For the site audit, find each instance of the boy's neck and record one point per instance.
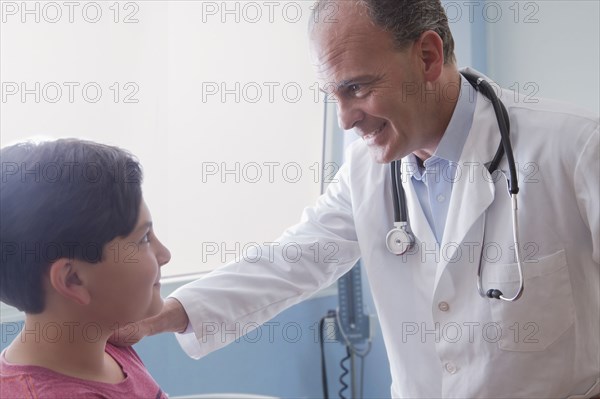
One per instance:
(72, 348)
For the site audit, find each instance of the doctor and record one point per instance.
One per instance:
(398, 87)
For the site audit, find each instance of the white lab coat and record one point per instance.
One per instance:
(442, 338)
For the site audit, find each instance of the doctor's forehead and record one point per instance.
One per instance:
(329, 29)
(341, 43)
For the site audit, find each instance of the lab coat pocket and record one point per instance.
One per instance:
(544, 312)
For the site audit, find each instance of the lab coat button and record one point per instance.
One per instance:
(451, 368)
(441, 198)
(443, 306)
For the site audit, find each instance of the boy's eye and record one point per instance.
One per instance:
(145, 239)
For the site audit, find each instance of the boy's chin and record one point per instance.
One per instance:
(156, 307)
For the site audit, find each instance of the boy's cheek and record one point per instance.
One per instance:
(124, 252)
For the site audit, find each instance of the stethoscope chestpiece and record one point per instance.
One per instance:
(399, 240)
(493, 293)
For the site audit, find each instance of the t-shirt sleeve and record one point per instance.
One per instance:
(25, 382)
(16, 386)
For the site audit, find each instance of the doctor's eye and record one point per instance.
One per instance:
(355, 88)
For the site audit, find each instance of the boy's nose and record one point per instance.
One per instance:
(163, 255)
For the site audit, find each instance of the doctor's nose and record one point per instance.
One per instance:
(348, 115)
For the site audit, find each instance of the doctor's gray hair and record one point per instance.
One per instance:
(406, 20)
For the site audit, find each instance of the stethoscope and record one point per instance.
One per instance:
(400, 239)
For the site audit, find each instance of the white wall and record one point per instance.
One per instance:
(171, 53)
(174, 51)
(551, 45)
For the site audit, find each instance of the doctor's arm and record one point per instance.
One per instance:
(307, 257)
(242, 295)
(172, 318)
(587, 188)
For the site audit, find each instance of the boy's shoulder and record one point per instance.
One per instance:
(21, 381)
(25, 381)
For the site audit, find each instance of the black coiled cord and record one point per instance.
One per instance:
(323, 366)
(345, 372)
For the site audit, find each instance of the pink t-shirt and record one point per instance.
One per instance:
(21, 382)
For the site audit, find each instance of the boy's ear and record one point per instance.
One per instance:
(65, 280)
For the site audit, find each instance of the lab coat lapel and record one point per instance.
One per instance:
(416, 217)
(473, 190)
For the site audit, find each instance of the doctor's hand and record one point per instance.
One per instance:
(172, 318)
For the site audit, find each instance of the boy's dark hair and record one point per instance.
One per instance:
(60, 199)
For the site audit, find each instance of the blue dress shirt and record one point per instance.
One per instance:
(433, 178)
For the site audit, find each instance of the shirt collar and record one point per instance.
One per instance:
(453, 140)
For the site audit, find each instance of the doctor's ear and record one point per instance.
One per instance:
(64, 278)
(430, 48)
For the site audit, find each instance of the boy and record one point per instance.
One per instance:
(80, 258)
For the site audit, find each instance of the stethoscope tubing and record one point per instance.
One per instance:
(505, 147)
